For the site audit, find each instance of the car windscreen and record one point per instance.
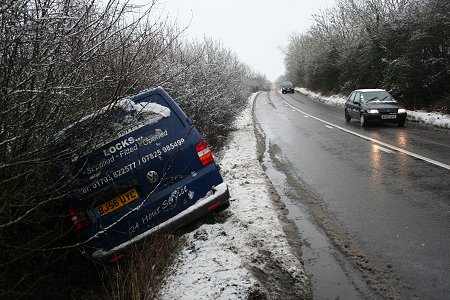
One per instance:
(287, 84)
(379, 96)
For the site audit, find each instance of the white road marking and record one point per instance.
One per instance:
(305, 116)
(383, 149)
(429, 160)
(328, 126)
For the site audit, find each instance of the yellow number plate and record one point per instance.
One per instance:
(116, 203)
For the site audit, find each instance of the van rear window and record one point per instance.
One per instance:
(118, 119)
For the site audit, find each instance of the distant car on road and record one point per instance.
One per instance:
(287, 87)
(374, 105)
(144, 168)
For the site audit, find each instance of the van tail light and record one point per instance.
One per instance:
(78, 218)
(204, 154)
(214, 206)
(117, 257)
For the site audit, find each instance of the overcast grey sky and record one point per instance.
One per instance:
(254, 30)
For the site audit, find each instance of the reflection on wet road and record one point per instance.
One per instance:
(384, 189)
(376, 138)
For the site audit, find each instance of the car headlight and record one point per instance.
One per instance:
(401, 111)
(372, 111)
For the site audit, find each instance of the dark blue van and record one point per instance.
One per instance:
(142, 168)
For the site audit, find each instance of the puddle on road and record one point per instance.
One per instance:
(332, 277)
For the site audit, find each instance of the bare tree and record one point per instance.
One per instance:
(258, 82)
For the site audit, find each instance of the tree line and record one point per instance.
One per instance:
(59, 61)
(400, 45)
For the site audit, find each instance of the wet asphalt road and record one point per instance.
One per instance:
(388, 187)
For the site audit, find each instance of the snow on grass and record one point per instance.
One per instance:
(428, 118)
(219, 261)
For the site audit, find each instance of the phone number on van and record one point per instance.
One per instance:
(128, 168)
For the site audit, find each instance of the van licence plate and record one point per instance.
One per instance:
(388, 116)
(116, 203)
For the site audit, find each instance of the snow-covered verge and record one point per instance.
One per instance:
(246, 256)
(433, 118)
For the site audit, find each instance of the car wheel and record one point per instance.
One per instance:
(401, 124)
(363, 121)
(347, 116)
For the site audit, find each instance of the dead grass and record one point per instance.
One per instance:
(141, 275)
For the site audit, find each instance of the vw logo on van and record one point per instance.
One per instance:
(152, 176)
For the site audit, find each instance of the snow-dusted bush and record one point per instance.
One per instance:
(212, 87)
